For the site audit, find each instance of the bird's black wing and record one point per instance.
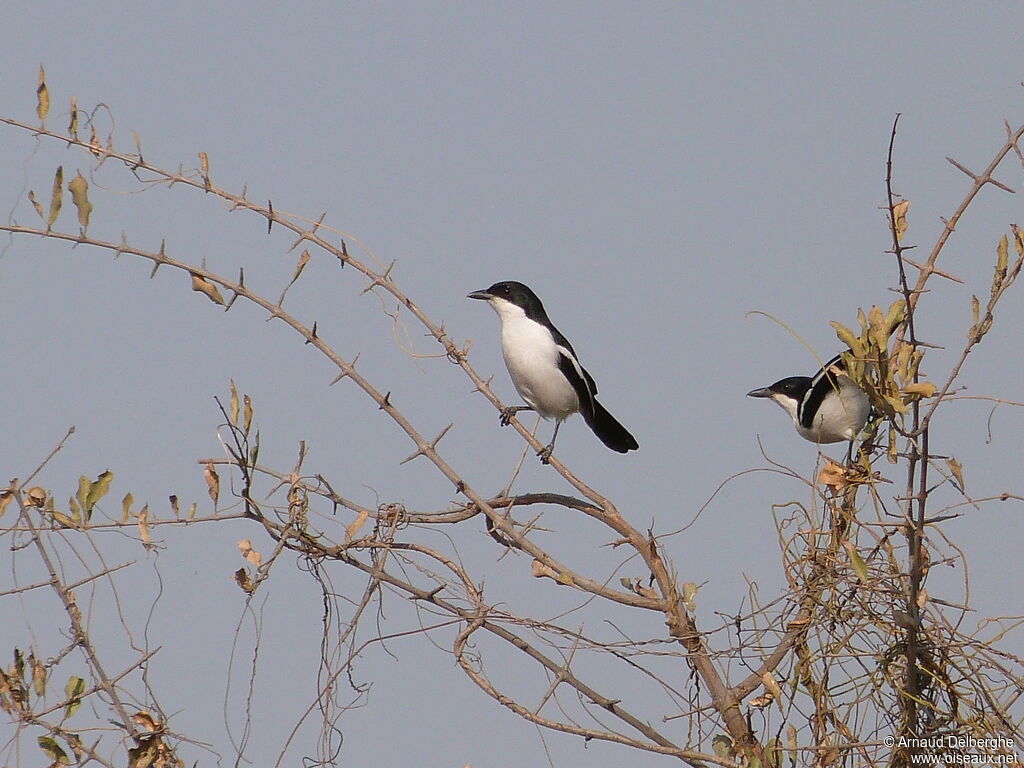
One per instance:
(579, 378)
(824, 381)
(608, 430)
(566, 351)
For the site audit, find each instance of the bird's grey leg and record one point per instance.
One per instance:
(512, 410)
(545, 452)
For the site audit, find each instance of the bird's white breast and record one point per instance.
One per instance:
(531, 356)
(841, 416)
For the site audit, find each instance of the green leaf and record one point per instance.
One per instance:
(722, 747)
(83, 491)
(97, 490)
(73, 691)
(54, 751)
(689, 594)
(859, 566)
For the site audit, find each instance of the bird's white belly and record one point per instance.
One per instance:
(532, 360)
(843, 420)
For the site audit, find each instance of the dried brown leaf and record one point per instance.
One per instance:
(833, 475)
(147, 541)
(250, 554)
(242, 580)
(204, 286)
(73, 123)
(36, 205)
(353, 528)
(212, 481)
(958, 471)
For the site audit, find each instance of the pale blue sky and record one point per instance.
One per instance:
(654, 171)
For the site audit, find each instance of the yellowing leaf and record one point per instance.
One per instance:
(896, 315)
(56, 198)
(204, 286)
(247, 413)
(64, 520)
(126, 507)
(42, 95)
(921, 388)
(899, 215)
(5, 499)
(1002, 259)
(79, 189)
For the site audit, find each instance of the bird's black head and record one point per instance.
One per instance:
(793, 388)
(514, 293)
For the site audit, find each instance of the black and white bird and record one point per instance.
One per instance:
(544, 367)
(827, 408)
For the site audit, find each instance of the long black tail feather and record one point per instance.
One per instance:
(610, 432)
